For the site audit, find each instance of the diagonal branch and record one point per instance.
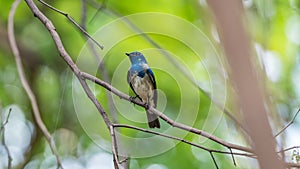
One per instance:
(181, 140)
(73, 22)
(2, 129)
(214, 160)
(287, 149)
(36, 112)
(291, 122)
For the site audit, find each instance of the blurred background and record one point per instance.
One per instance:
(181, 43)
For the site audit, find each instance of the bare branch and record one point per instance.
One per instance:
(83, 14)
(287, 149)
(6, 120)
(73, 22)
(233, 159)
(2, 129)
(200, 132)
(25, 84)
(99, 7)
(114, 146)
(181, 140)
(292, 165)
(291, 122)
(214, 160)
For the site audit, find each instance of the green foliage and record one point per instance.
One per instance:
(296, 156)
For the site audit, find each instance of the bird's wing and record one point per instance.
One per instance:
(152, 78)
(128, 77)
(129, 82)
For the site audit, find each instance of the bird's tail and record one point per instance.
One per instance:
(152, 120)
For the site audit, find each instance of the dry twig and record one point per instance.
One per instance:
(2, 129)
(291, 122)
(36, 112)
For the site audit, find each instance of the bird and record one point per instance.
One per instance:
(141, 79)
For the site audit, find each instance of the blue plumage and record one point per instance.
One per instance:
(142, 81)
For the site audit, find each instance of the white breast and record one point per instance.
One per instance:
(142, 89)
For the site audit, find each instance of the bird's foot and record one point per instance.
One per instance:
(131, 98)
(146, 106)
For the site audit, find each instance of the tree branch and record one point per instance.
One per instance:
(2, 129)
(73, 22)
(292, 165)
(291, 122)
(287, 149)
(36, 112)
(214, 160)
(181, 140)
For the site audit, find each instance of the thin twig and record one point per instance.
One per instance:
(6, 120)
(184, 141)
(287, 149)
(292, 165)
(83, 14)
(114, 146)
(291, 122)
(233, 159)
(214, 160)
(99, 7)
(200, 132)
(181, 140)
(9, 158)
(36, 112)
(73, 22)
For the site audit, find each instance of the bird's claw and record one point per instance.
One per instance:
(131, 98)
(146, 106)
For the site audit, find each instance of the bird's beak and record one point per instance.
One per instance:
(127, 54)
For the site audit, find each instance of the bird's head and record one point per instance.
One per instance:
(136, 57)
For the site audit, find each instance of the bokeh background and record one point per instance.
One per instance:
(77, 128)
